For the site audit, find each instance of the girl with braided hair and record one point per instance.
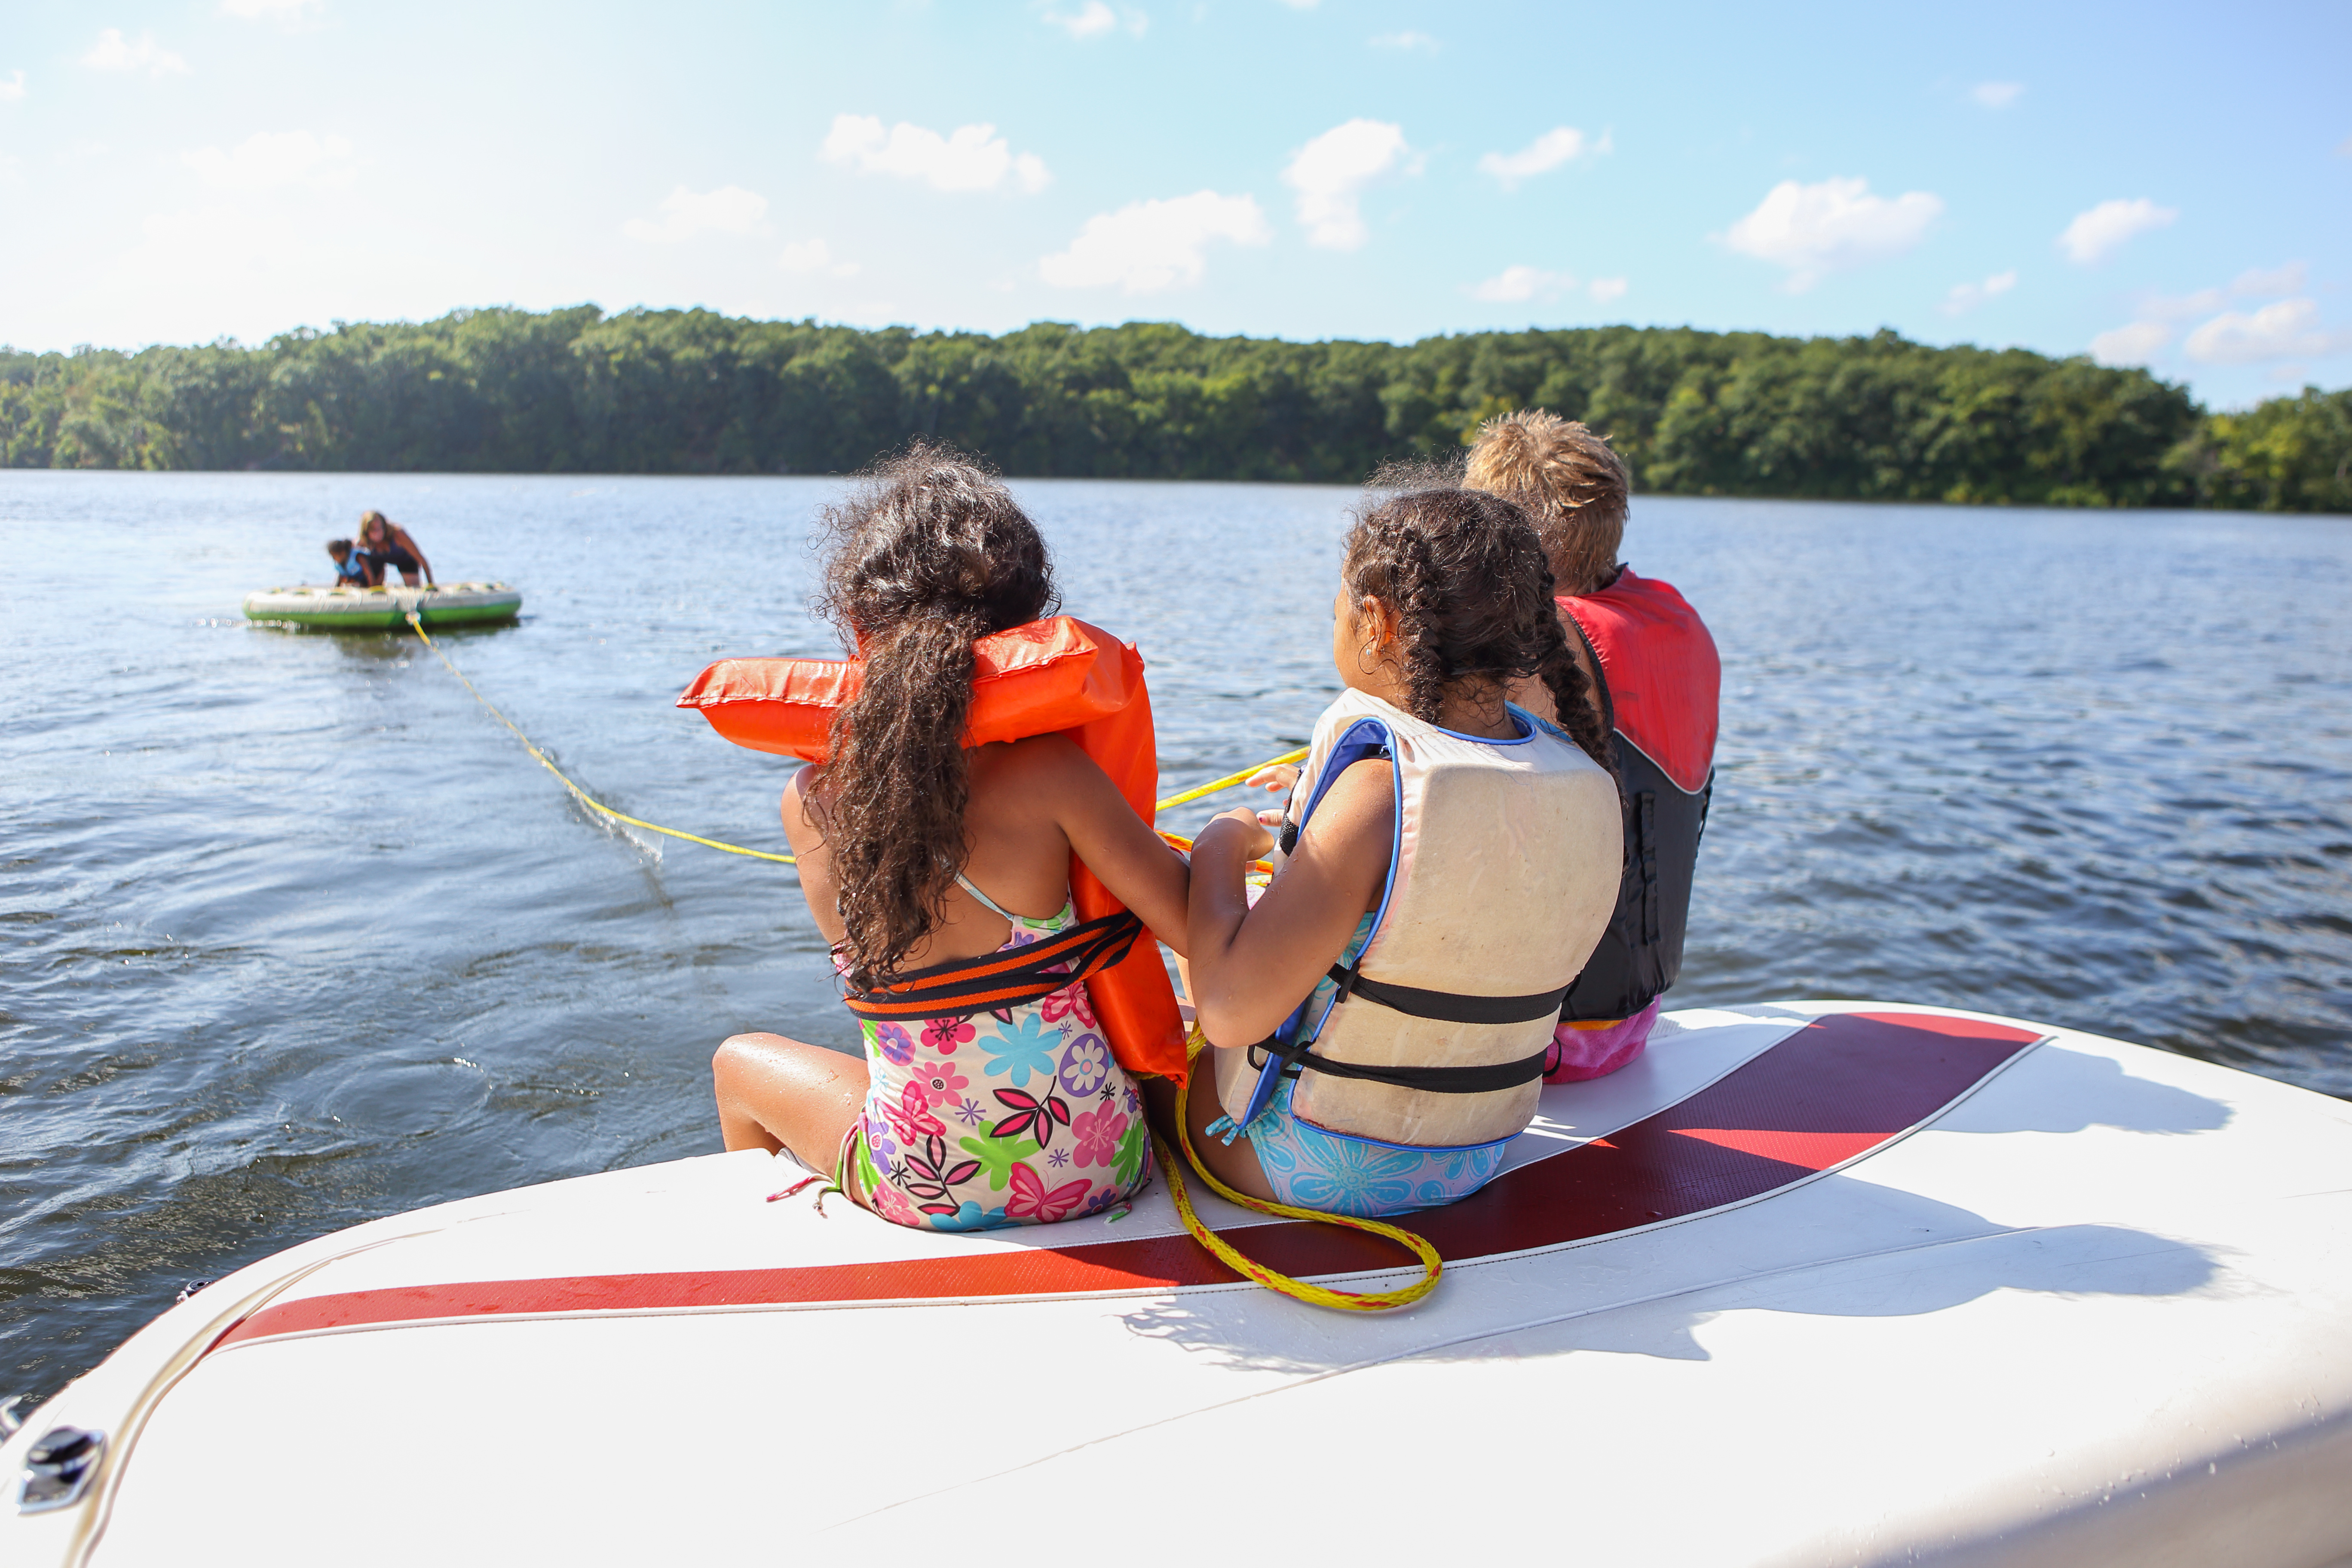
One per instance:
(1446, 863)
(919, 852)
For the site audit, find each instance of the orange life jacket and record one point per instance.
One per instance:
(1052, 676)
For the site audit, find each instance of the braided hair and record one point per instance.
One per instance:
(928, 555)
(1465, 574)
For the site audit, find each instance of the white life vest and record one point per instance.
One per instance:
(1503, 876)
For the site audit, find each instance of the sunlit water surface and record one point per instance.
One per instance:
(296, 935)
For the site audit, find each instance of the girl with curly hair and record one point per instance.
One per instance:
(917, 851)
(1448, 860)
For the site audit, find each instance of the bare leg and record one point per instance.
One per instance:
(1234, 1163)
(775, 1093)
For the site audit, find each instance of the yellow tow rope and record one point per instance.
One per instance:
(1214, 786)
(581, 796)
(1433, 1266)
(593, 804)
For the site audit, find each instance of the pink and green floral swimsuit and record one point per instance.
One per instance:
(1019, 1117)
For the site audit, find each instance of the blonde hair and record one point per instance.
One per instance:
(1567, 480)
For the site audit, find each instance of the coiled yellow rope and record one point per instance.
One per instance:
(1314, 1295)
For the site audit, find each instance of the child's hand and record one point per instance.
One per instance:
(1256, 839)
(1282, 776)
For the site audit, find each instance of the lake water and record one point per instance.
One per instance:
(296, 935)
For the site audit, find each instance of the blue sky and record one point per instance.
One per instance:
(2152, 183)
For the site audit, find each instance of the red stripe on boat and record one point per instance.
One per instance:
(1839, 1087)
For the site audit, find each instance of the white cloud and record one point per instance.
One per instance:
(2344, 148)
(1146, 247)
(1515, 284)
(2254, 283)
(2179, 307)
(113, 52)
(968, 158)
(1405, 42)
(1969, 296)
(2095, 232)
(2269, 282)
(1814, 230)
(1330, 173)
(283, 11)
(730, 209)
(1997, 94)
(2287, 330)
(807, 257)
(13, 89)
(2134, 344)
(265, 161)
(1091, 20)
(1546, 152)
(1604, 290)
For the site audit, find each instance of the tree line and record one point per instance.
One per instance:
(693, 392)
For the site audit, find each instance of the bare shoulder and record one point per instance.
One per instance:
(799, 812)
(1361, 801)
(1039, 762)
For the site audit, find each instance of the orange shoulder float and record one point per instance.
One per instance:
(1050, 677)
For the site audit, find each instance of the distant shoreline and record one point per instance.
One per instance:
(1748, 414)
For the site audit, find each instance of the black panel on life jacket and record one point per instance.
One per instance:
(1640, 954)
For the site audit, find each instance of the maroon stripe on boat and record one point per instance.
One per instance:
(1837, 1088)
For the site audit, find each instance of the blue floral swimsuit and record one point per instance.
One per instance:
(1310, 1167)
(1018, 1116)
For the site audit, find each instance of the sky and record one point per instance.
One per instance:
(2151, 183)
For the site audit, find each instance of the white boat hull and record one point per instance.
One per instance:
(1811, 1283)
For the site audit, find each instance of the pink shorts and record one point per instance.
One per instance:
(1580, 1051)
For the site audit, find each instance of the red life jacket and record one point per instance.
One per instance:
(1661, 684)
(1057, 676)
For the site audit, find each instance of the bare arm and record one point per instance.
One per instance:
(819, 884)
(1134, 862)
(409, 543)
(1251, 966)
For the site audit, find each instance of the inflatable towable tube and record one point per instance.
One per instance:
(1058, 675)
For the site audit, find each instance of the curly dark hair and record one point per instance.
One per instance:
(1464, 573)
(930, 553)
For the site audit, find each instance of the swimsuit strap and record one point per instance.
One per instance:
(970, 887)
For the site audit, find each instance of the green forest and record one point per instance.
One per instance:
(691, 392)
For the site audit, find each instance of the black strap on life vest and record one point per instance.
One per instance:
(1487, 1079)
(1447, 1007)
(999, 981)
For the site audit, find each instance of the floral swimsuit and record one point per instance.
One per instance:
(1017, 1117)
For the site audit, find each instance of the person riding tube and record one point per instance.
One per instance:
(351, 565)
(388, 547)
